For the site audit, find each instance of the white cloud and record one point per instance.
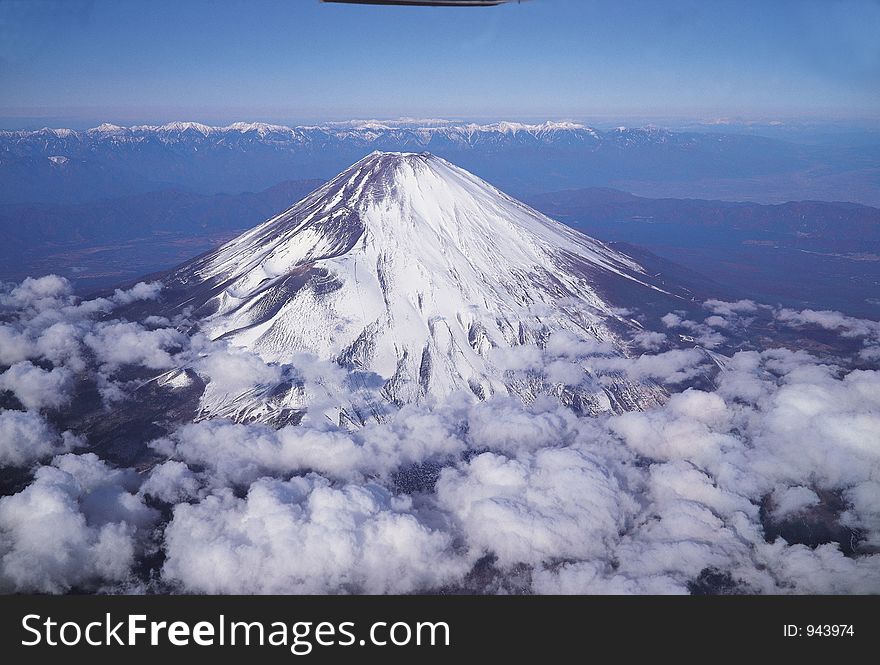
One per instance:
(26, 437)
(692, 425)
(14, 346)
(75, 526)
(845, 326)
(306, 536)
(792, 500)
(503, 425)
(240, 454)
(556, 503)
(119, 343)
(60, 344)
(830, 320)
(649, 340)
(639, 502)
(37, 388)
(716, 322)
(671, 367)
(517, 358)
(592, 578)
(567, 345)
(140, 291)
(233, 372)
(702, 333)
(823, 570)
(37, 293)
(864, 514)
(725, 308)
(171, 482)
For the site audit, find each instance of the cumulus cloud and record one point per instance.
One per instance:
(45, 323)
(36, 293)
(504, 425)
(830, 320)
(556, 503)
(671, 367)
(864, 511)
(597, 578)
(702, 333)
(726, 308)
(822, 427)
(785, 439)
(567, 345)
(716, 322)
(234, 371)
(26, 437)
(239, 454)
(140, 291)
(765, 479)
(126, 343)
(649, 340)
(307, 536)
(37, 388)
(14, 346)
(568, 360)
(639, 502)
(171, 482)
(59, 343)
(518, 358)
(692, 425)
(792, 500)
(671, 320)
(845, 326)
(773, 433)
(76, 526)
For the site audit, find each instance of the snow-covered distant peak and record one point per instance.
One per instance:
(561, 126)
(174, 127)
(260, 128)
(373, 124)
(184, 126)
(61, 132)
(514, 127)
(107, 128)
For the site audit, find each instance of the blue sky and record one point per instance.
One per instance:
(300, 60)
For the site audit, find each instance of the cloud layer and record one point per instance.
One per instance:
(758, 472)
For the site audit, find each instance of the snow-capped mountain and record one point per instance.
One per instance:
(424, 278)
(366, 133)
(109, 160)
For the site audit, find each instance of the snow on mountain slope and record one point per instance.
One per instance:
(192, 135)
(425, 278)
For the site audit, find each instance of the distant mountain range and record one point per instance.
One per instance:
(800, 253)
(191, 135)
(829, 221)
(62, 165)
